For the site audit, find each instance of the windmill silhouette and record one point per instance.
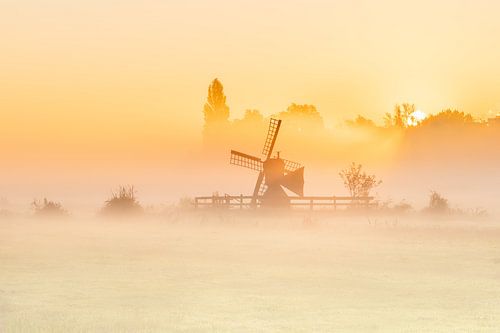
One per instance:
(274, 173)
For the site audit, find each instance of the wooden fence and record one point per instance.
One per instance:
(306, 202)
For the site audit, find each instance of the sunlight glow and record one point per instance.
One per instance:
(416, 117)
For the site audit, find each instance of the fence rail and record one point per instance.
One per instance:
(306, 202)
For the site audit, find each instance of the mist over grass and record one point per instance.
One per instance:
(124, 204)
(242, 272)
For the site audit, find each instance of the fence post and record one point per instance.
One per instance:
(335, 203)
(311, 204)
(241, 201)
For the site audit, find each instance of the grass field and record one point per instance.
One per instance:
(249, 275)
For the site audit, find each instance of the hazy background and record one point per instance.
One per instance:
(99, 93)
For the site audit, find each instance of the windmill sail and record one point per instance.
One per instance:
(272, 133)
(247, 161)
(291, 166)
(294, 181)
(263, 187)
(258, 187)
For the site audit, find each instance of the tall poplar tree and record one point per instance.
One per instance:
(215, 109)
(216, 114)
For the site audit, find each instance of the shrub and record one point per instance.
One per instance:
(47, 208)
(437, 204)
(478, 212)
(403, 207)
(123, 202)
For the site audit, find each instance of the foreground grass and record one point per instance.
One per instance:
(198, 276)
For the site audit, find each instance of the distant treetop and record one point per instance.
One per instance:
(448, 117)
(302, 117)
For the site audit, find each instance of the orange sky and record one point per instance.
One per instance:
(90, 77)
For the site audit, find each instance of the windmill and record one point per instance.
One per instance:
(274, 172)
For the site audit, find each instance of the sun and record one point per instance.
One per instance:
(416, 117)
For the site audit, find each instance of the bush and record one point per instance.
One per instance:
(123, 202)
(402, 207)
(47, 208)
(478, 212)
(437, 204)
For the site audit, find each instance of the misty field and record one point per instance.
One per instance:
(232, 274)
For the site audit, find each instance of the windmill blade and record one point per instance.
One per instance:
(294, 181)
(291, 166)
(258, 186)
(246, 161)
(272, 133)
(263, 187)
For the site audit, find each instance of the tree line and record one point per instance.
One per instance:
(449, 130)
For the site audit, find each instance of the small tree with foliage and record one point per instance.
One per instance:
(357, 181)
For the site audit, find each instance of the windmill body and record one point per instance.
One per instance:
(274, 195)
(274, 173)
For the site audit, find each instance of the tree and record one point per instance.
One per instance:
(215, 109)
(216, 114)
(358, 182)
(448, 117)
(253, 116)
(361, 121)
(402, 116)
(302, 117)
